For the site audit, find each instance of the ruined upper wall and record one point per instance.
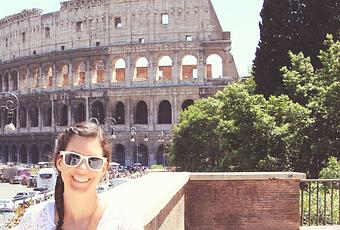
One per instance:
(90, 23)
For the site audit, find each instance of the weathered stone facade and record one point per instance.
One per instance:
(140, 62)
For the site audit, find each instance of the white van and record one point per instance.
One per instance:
(47, 178)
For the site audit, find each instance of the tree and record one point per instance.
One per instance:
(295, 25)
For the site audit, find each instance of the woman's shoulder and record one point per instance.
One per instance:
(39, 216)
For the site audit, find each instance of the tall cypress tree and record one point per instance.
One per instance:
(296, 25)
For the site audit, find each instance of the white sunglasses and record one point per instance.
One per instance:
(73, 159)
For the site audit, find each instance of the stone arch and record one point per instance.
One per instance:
(62, 115)
(34, 154)
(164, 112)
(65, 75)
(23, 117)
(47, 114)
(98, 111)
(23, 154)
(100, 72)
(79, 112)
(120, 113)
(187, 103)
(119, 70)
(119, 154)
(164, 68)
(188, 68)
(213, 67)
(13, 154)
(5, 155)
(14, 80)
(160, 158)
(47, 153)
(34, 116)
(141, 115)
(81, 73)
(141, 70)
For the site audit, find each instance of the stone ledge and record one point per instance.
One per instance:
(247, 176)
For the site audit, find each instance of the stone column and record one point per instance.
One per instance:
(201, 62)
(176, 70)
(87, 108)
(41, 77)
(70, 79)
(55, 77)
(69, 117)
(88, 77)
(53, 124)
(28, 77)
(129, 68)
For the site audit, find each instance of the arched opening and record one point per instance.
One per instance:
(34, 154)
(49, 78)
(14, 80)
(100, 67)
(47, 154)
(98, 111)
(14, 154)
(79, 112)
(5, 155)
(47, 115)
(23, 154)
(119, 71)
(64, 74)
(22, 117)
(189, 68)
(36, 78)
(141, 70)
(120, 113)
(213, 67)
(141, 115)
(187, 103)
(34, 113)
(164, 70)
(160, 155)
(81, 74)
(164, 112)
(62, 115)
(6, 82)
(119, 154)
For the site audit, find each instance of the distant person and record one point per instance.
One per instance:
(81, 158)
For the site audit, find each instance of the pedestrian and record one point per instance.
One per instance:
(81, 159)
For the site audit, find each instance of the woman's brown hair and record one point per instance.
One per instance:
(83, 129)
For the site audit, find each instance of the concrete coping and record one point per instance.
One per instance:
(141, 200)
(247, 176)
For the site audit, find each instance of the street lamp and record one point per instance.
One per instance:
(10, 104)
(133, 138)
(162, 139)
(109, 121)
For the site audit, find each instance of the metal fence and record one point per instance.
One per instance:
(319, 202)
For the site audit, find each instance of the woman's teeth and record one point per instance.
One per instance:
(81, 179)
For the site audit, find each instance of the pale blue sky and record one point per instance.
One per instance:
(240, 17)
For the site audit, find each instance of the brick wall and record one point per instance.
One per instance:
(237, 205)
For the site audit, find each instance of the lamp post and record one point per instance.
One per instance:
(109, 121)
(10, 104)
(133, 130)
(162, 138)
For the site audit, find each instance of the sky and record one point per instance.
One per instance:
(240, 17)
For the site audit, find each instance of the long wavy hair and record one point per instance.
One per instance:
(83, 129)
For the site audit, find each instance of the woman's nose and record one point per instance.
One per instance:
(83, 164)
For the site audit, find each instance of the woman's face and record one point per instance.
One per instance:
(81, 178)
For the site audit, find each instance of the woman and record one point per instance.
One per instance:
(81, 158)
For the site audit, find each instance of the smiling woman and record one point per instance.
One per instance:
(82, 157)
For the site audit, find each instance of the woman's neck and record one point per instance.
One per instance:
(79, 209)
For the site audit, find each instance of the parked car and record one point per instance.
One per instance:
(7, 205)
(15, 180)
(21, 196)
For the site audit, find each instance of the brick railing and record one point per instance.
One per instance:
(205, 201)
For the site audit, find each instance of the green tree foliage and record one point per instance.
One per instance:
(295, 25)
(239, 130)
(332, 169)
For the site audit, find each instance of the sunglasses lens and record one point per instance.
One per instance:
(96, 163)
(72, 159)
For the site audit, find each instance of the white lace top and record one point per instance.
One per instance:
(41, 216)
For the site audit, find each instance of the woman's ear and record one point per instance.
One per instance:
(58, 162)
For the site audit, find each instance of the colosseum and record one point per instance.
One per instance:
(129, 65)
